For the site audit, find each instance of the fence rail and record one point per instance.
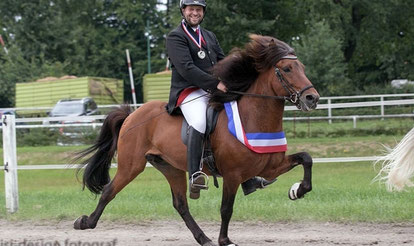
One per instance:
(10, 124)
(354, 118)
(381, 102)
(115, 165)
(329, 105)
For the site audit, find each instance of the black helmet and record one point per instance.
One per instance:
(184, 3)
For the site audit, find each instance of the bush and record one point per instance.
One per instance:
(50, 136)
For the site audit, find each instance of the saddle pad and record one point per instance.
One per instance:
(258, 142)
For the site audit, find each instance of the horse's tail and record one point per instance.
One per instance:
(398, 164)
(96, 173)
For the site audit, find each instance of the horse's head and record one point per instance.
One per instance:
(272, 65)
(287, 78)
(290, 74)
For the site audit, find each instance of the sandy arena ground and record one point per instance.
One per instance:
(162, 233)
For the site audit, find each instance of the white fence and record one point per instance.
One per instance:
(10, 163)
(10, 166)
(381, 100)
(9, 134)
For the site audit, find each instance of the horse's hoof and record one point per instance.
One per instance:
(80, 223)
(293, 192)
(227, 243)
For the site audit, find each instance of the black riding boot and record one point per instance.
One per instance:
(251, 185)
(194, 153)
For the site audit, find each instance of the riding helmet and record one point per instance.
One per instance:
(184, 3)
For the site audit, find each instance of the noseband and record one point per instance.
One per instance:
(293, 94)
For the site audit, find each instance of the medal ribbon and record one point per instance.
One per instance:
(198, 31)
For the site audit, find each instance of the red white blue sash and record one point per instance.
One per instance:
(257, 142)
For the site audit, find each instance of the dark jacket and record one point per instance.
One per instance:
(188, 70)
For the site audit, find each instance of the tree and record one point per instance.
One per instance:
(233, 20)
(376, 38)
(85, 38)
(320, 51)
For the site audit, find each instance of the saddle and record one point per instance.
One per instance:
(207, 157)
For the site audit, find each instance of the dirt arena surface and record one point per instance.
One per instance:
(162, 233)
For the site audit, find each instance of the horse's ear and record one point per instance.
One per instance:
(272, 43)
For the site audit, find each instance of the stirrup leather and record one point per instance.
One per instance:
(197, 185)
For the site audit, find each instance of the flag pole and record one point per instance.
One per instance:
(131, 78)
(4, 46)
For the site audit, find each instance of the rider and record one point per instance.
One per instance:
(193, 51)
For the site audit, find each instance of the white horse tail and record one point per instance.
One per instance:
(398, 164)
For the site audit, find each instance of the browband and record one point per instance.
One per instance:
(292, 57)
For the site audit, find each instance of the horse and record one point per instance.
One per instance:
(261, 77)
(398, 164)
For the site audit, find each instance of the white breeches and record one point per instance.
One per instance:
(194, 108)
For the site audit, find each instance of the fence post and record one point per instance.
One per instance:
(330, 110)
(354, 119)
(382, 108)
(10, 163)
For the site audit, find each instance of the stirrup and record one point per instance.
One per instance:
(266, 182)
(202, 183)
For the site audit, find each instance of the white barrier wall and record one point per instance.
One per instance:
(10, 163)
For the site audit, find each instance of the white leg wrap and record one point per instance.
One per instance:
(293, 192)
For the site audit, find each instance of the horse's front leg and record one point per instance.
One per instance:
(298, 190)
(229, 194)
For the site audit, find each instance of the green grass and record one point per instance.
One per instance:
(341, 191)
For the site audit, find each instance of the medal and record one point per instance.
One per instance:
(201, 54)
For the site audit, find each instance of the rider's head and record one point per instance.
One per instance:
(193, 11)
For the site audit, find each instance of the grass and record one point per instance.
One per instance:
(341, 192)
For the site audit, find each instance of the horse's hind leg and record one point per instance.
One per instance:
(298, 190)
(123, 176)
(178, 183)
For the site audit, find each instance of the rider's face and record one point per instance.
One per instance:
(193, 14)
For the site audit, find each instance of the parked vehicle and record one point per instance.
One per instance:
(72, 109)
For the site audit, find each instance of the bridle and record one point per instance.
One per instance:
(293, 94)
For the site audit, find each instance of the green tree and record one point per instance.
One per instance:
(84, 38)
(321, 53)
(233, 20)
(376, 38)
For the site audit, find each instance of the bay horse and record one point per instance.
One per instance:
(398, 164)
(261, 77)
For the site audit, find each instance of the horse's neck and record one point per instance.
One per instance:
(260, 114)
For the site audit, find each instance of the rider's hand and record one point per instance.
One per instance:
(222, 87)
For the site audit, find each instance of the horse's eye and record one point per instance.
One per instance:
(286, 69)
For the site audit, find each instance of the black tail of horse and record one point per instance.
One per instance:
(96, 173)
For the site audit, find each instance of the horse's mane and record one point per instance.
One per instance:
(241, 67)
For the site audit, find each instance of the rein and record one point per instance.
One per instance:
(293, 94)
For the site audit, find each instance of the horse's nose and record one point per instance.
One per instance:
(312, 99)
